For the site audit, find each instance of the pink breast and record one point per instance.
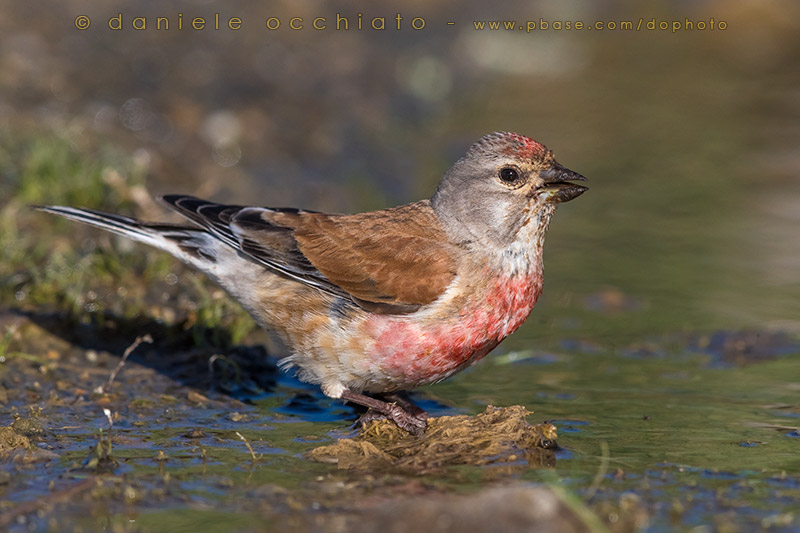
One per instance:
(416, 352)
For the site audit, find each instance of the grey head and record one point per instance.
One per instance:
(504, 182)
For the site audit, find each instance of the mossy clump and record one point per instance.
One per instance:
(498, 436)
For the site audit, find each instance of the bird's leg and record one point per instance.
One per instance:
(399, 398)
(413, 423)
(402, 399)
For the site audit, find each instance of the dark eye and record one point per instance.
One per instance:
(509, 175)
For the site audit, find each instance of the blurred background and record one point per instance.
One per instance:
(689, 138)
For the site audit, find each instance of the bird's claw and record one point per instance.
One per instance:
(413, 423)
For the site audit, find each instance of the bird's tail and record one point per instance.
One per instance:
(189, 244)
(125, 226)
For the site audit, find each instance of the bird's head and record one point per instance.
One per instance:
(505, 182)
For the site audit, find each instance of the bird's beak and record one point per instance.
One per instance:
(557, 187)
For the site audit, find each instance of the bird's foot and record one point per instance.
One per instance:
(402, 399)
(368, 416)
(414, 422)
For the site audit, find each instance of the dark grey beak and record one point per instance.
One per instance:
(557, 187)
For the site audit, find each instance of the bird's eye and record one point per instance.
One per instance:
(509, 176)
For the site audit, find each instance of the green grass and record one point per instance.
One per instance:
(82, 273)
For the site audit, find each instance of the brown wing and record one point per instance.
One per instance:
(397, 256)
(390, 261)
